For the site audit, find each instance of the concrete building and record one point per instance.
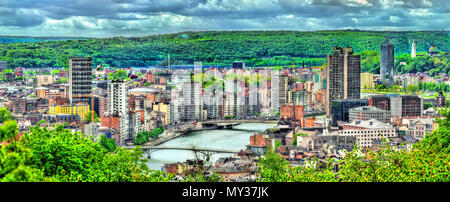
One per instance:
(291, 112)
(333, 142)
(238, 65)
(3, 65)
(186, 99)
(418, 128)
(406, 105)
(441, 100)
(343, 76)
(380, 101)
(398, 105)
(387, 63)
(369, 112)
(368, 131)
(80, 110)
(340, 108)
(279, 90)
(413, 49)
(164, 109)
(410, 80)
(44, 80)
(297, 97)
(367, 80)
(80, 80)
(118, 107)
(10, 76)
(231, 102)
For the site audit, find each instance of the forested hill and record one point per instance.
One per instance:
(22, 39)
(256, 48)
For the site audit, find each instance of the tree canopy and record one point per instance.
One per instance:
(46, 154)
(255, 48)
(428, 161)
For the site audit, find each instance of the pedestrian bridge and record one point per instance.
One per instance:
(207, 151)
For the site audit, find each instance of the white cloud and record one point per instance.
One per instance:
(420, 12)
(394, 19)
(146, 17)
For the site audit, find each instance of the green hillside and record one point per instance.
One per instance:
(256, 48)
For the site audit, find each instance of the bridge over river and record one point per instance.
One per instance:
(206, 151)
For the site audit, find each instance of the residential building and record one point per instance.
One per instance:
(291, 112)
(44, 80)
(406, 106)
(279, 90)
(367, 80)
(118, 107)
(3, 65)
(410, 80)
(332, 142)
(441, 99)
(80, 80)
(368, 131)
(80, 110)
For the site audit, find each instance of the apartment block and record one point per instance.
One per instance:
(80, 80)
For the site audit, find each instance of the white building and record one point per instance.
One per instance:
(367, 131)
(118, 106)
(279, 87)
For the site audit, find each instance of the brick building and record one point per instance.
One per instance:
(291, 112)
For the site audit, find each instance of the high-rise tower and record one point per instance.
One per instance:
(387, 63)
(413, 49)
(80, 80)
(118, 107)
(343, 76)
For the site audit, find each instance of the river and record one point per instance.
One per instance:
(213, 139)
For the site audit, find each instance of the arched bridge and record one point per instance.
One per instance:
(206, 151)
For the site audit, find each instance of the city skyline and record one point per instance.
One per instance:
(146, 17)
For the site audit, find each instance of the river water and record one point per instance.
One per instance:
(228, 139)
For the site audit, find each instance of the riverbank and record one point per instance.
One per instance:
(212, 139)
(188, 129)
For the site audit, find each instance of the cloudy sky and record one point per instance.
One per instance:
(108, 18)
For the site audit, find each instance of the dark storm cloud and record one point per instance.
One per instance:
(13, 17)
(161, 16)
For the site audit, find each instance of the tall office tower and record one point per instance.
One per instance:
(279, 90)
(80, 80)
(118, 107)
(343, 76)
(413, 49)
(387, 63)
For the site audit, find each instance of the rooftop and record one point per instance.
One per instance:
(371, 124)
(143, 90)
(368, 108)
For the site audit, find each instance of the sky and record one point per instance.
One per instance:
(110, 18)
